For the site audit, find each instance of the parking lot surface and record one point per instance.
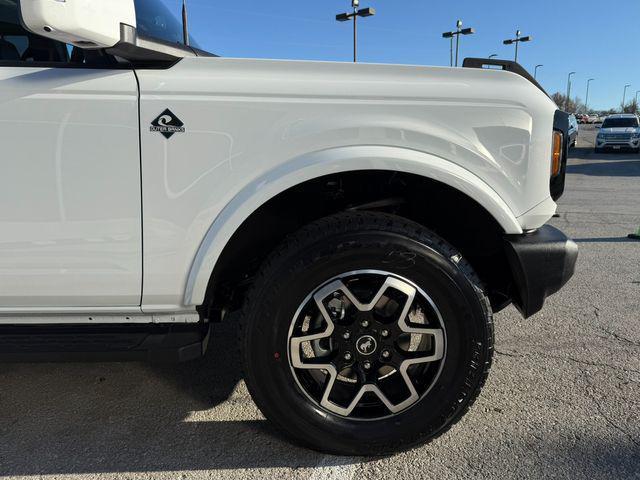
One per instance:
(562, 399)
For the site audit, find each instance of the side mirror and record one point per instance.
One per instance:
(83, 23)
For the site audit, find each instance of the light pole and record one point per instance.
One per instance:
(517, 40)
(458, 31)
(450, 36)
(535, 71)
(493, 55)
(586, 101)
(566, 102)
(624, 96)
(637, 92)
(345, 17)
(185, 23)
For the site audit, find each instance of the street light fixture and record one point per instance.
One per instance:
(456, 33)
(586, 101)
(535, 72)
(624, 95)
(345, 17)
(517, 40)
(493, 55)
(566, 102)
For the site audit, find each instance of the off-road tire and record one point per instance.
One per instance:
(357, 241)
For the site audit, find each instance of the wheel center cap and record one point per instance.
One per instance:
(366, 345)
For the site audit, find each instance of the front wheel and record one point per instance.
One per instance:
(365, 334)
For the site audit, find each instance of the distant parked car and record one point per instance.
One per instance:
(573, 131)
(619, 132)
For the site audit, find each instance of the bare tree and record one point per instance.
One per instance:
(631, 107)
(574, 105)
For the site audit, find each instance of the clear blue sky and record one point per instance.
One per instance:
(593, 38)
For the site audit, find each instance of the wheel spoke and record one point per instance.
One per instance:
(437, 336)
(390, 282)
(296, 358)
(436, 355)
(369, 387)
(296, 342)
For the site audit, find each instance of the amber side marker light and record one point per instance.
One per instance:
(556, 159)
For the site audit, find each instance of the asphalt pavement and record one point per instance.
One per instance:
(562, 399)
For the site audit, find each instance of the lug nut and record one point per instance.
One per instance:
(364, 323)
(348, 356)
(346, 335)
(385, 333)
(367, 365)
(386, 354)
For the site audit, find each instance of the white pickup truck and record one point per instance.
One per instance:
(360, 222)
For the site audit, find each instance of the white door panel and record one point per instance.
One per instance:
(70, 206)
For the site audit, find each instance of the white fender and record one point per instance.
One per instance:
(325, 162)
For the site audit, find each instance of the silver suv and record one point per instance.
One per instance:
(619, 132)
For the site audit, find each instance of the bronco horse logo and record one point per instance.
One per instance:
(366, 345)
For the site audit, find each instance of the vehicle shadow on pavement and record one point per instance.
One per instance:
(583, 457)
(612, 168)
(126, 417)
(605, 240)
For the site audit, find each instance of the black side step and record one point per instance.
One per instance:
(508, 65)
(171, 343)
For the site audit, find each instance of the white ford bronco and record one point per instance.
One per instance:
(360, 222)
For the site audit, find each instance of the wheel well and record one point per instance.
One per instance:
(460, 220)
